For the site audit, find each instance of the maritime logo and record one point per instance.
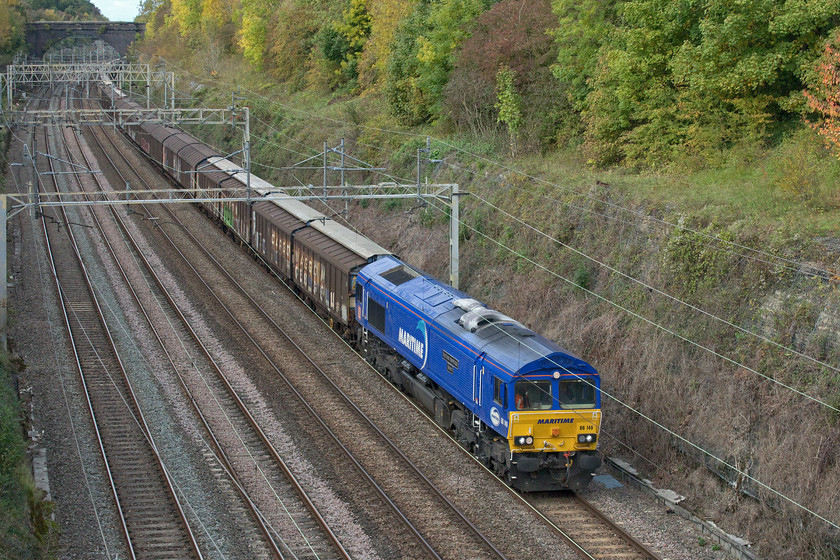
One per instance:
(495, 417)
(417, 346)
(556, 421)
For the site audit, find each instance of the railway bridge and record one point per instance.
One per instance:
(41, 35)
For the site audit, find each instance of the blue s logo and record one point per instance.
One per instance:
(421, 326)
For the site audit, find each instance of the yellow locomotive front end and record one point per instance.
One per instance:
(562, 431)
(553, 434)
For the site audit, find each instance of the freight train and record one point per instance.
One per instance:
(526, 407)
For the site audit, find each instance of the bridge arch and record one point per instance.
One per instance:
(41, 35)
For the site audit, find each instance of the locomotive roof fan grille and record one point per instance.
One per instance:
(399, 275)
(481, 317)
(467, 304)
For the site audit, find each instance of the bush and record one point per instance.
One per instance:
(513, 34)
(805, 169)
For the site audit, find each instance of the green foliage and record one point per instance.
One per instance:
(693, 256)
(355, 28)
(633, 101)
(12, 18)
(25, 529)
(582, 277)
(402, 90)
(333, 44)
(341, 43)
(423, 56)
(508, 104)
(803, 168)
(583, 27)
(699, 77)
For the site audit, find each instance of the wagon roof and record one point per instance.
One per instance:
(161, 132)
(354, 241)
(196, 153)
(330, 250)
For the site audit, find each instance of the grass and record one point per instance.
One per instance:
(16, 535)
(26, 531)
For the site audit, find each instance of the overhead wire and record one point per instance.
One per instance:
(629, 407)
(665, 329)
(790, 263)
(652, 289)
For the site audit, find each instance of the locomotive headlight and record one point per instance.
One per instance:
(586, 438)
(524, 440)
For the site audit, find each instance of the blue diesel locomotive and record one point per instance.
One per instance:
(523, 405)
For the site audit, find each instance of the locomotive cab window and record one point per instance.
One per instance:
(499, 393)
(533, 395)
(577, 394)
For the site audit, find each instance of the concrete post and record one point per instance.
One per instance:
(4, 299)
(247, 147)
(325, 172)
(9, 84)
(454, 241)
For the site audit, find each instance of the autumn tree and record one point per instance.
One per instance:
(424, 53)
(355, 28)
(385, 17)
(823, 96)
(291, 41)
(512, 34)
(218, 21)
(65, 9)
(186, 14)
(253, 34)
(11, 29)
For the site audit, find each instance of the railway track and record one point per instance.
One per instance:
(151, 516)
(587, 530)
(450, 529)
(589, 540)
(286, 517)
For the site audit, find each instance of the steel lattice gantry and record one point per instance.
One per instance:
(115, 71)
